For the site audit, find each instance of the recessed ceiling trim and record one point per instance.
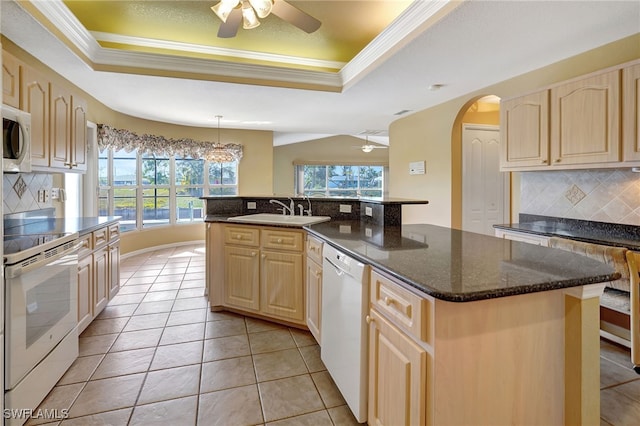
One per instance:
(211, 50)
(143, 60)
(411, 23)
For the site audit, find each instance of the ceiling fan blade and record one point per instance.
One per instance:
(295, 16)
(229, 29)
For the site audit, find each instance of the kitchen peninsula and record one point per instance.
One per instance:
(463, 328)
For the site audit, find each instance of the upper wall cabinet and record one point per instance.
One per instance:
(35, 100)
(585, 120)
(631, 112)
(589, 122)
(10, 80)
(525, 130)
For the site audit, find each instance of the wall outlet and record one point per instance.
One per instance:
(368, 211)
(251, 205)
(345, 208)
(55, 193)
(368, 232)
(42, 196)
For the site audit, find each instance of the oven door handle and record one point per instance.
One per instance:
(14, 271)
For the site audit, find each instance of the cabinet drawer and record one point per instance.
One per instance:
(100, 237)
(314, 249)
(85, 245)
(408, 311)
(242, 235)
(114, 232)
(282, 240)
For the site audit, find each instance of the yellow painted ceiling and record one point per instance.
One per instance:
(347, 26)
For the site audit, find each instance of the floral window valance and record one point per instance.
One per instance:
(120, 139)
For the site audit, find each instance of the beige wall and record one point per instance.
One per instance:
(427, 135)
(331, 150)
(138, 240)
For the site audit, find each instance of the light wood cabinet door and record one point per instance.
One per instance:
(314, 297)
(60, 125)
(34, 94)
(397, 376)
(524, 131)
(100, 280)
(242, 277)
(10, 80)
(85, 298)
(282, 285)
(114, 268)
(631, 112)
(585, 120)
(78, 142)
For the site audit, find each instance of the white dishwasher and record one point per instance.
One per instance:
(344, 338)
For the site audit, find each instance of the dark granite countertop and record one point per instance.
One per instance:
(373, 200)
(612, 234)
(460, 266)
(81, 225)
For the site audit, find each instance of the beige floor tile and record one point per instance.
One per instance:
(236, 406)
(171, 383)
(146, 272)
(121, 363)
(60, 398)
(144, 322)
(187, 293)
(342, 416)
(172, 269)
(118, 311)
(318, 418)
(126, 299)
(269, 341)
(107, 394)
(182, 333)
(223, 328)
(226, 347)
(173, 278)
(311, 355)
(279, 364)
(105, 326)
(256, 325)
(222, 315)
(81, 369)
(605, 423)
(616, 353)
(227, 373)
(302, 337)
(174, 412)
(328, 390)
(140, 339)
(191, 316)
(289, 397)
(177, 355)
(193, 269)
(134, 289)
(189, 283)
(140, 280)
(159, 296)
(631, 389)
(618, 409)
(154, 308)
(93, 345)
(612, 373)
(115, 418)
(190, 303)
(165, 286)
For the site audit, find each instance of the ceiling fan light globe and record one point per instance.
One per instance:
(262, 7)
(249, 18)
(224, 8)
(367, 148)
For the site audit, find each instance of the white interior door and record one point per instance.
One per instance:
(485, 190)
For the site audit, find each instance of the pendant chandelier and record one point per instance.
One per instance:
(219, 153)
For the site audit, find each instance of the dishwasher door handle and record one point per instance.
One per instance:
(339, 270)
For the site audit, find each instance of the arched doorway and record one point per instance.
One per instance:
(480, 192)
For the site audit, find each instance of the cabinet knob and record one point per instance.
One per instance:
(388, 300)
(238, 237)
(317, 273)
(279, 240)
(253, 253)
(544, 161)
(368, 319)
(557, 160)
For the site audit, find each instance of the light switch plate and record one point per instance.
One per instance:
(251, 205)
(368, 211)
(345, 208)
(417, 168)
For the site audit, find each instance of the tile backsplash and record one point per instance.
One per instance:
(20, 191)
(603, 195)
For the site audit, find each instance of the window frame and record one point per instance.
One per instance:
(299, 167)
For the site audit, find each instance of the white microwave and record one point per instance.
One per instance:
(16, 140)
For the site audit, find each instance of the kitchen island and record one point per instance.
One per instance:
(470, 329)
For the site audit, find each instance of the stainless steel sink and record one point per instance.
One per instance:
(279, 219)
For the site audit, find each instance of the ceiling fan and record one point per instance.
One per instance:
(233, 12)
(367, 147)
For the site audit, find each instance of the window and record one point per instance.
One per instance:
(340, 180)
(152, 190)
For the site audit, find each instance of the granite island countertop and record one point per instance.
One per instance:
(460, 266)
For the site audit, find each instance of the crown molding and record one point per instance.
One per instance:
(212, 50)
